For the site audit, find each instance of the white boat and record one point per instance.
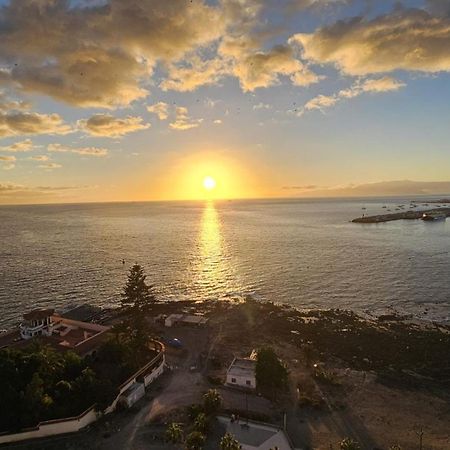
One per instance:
(431, 217)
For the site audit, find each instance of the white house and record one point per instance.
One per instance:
(37, 323)
(242, 373)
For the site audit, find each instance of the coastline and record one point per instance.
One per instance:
(404, 215)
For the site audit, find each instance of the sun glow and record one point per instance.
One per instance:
(209, 183)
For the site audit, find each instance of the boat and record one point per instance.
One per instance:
(434, 216)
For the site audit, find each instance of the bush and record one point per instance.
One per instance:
(195, 441)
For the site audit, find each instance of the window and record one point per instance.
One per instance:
(233, 380)
(248, 382)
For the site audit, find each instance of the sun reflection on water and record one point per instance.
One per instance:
(212, 264)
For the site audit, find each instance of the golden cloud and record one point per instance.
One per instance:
(106, 125)
(407, 39)
(18, 123)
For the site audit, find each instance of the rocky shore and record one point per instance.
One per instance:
(403, 215)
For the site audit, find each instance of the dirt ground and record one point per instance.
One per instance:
(358, 406)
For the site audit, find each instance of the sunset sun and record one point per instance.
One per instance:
(209, 183)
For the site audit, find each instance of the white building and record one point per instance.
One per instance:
(134, 393)
(185, 319)
(37, 323)
(256, 435)
(242, 373)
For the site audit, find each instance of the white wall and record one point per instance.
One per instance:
(74, 424)
(241, 381)
(154, 374)
(53, 427)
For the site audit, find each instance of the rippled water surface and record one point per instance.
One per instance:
(306, 253)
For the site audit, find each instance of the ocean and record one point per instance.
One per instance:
(301, 252)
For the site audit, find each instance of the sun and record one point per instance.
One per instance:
(209, 183)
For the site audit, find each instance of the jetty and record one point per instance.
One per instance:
(403, 215)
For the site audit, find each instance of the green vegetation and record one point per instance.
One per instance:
(228, 442)
(137, 293)
(40, 384)
(201, 423)
(174, 433)
(271, 374)
(349, 444)
(212, 402)
(195, 441)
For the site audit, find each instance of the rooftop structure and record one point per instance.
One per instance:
(59, 332)
(257, 436)
(185, 319)
(242, 373)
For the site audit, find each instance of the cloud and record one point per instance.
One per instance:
(261, 106)
(105, 125)
(308, 187)
(8, 162)
(300, 5)
(371, 85)
(8, 105)
(112, 49)
(7, 158)
(263, 69)
(22, 146)
(320, 102)
(406, 39)
(161, 109)
(50, 166)
(18, 123)
(86, 151)
(39, 158)
(182, 120)
(12, 193)
(194, 73)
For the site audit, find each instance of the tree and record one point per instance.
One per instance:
(212, 401)
(228, 442)
(349, 444)
(395, 447)
(195, 441)
(137, 293)
(271, 374)
(201, 423)
(174, 433)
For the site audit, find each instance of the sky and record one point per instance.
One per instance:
(135, 100)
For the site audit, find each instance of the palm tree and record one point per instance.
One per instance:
(195, 441)
(201, 423)
(228, 442)
(212, 401)
(349, 444)
(174, 433)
